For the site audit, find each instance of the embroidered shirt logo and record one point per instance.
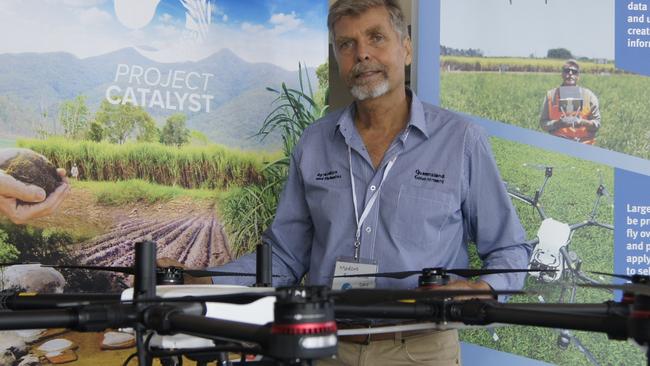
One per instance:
(429, 176)
(332, 174)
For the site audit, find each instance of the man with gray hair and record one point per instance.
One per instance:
(389, 184)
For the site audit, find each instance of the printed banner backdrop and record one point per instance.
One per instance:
(155, 108)
(499, 60)
(157, 104)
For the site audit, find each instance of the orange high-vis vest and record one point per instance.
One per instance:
(580, 134)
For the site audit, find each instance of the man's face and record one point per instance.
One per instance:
(370, 54)
(570, 75)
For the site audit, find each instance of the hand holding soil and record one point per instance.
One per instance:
(30, 186)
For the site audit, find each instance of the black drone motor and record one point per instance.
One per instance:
(169, 276)
(433, 277)
(628, 296)
(304, 326)
(639, 321)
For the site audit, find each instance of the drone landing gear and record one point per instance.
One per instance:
(493, 333)
(171, 361)
(565, 338)
(203, 359)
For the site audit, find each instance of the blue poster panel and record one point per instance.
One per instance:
(566, 104)
(633, 36)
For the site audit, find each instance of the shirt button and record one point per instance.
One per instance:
(372, 188)
(368, 229)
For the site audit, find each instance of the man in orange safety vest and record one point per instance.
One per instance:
(571, 111)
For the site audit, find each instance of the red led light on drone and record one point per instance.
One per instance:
(304, 328)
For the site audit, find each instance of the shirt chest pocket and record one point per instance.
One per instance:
(326, 200)
(421, 216)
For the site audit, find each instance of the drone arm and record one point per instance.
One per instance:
(390, 311)
(575, 267)
(36, 319)
(533, 242)
(521, 197)
(84, 319)
(159, 316)
(590, 223)
(606, 226)
(533, 202)
(608, 308)
(540, 192)
(217, 328)
(580, 225)
(190, 318)
(28, 301)
(478, 312)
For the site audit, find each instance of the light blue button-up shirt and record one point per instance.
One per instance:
(443, 191)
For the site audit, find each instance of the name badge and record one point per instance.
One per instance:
(344, 266)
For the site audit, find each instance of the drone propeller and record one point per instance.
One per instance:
(443, 272)
(131, 270)
(7, 264)
(548, 169)
(639, 286)
(536, 166)
(379, 296)
(635, 288)
(347, 297)
(623, 277)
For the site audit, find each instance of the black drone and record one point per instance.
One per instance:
(303, 327)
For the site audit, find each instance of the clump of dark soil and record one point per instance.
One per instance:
(32, 168)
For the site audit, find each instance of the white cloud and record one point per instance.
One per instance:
(167, 31)
(44, 26)
(309, 46)
(281, 23)
(225, 17)
(216, 9)
(94, 16)
(165, 18)
(252, 28)
(285, 22)
(8, 7)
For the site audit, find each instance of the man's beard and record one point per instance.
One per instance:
(570, 82)
(363, 92)
(371, 90)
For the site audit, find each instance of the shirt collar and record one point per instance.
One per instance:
(417, 118)
(345, 123)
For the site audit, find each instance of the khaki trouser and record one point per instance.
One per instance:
(437, 348)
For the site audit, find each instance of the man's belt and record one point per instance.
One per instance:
(375, 337)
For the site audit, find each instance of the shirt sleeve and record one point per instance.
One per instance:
(490, 217)
(290, 236)
(545, 123)
(595, 110)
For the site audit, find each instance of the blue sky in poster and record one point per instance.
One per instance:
(311, 13)
(276, 31)
(585, 27)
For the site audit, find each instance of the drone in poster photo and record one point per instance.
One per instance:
(552, 250)
(297, 325)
